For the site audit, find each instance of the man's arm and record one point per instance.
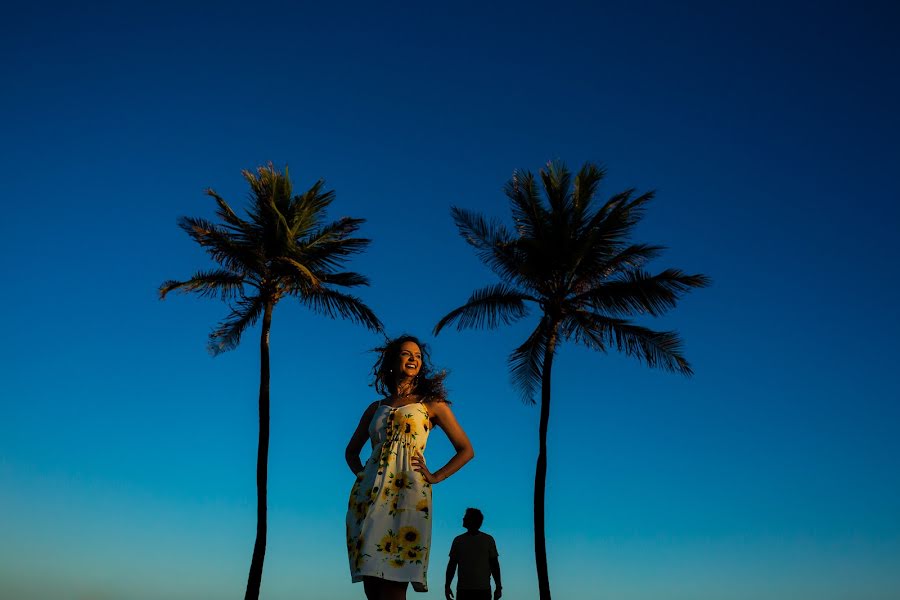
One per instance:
(495, 573)
(451, 571)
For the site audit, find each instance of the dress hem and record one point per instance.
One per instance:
(418, 586)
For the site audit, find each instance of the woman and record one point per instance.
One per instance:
(389, 516)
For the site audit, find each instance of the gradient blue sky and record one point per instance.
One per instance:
(770, 131)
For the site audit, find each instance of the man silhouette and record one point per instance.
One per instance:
(476, 554)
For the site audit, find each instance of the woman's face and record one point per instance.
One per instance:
(409, 360)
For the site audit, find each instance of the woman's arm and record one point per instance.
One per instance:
(442, 416)
(358, 440)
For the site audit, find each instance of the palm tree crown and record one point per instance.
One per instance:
(283, 247)
(576, 263)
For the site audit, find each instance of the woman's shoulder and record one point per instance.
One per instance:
(371, 408)
(437, 406)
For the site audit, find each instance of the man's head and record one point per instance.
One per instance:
(473, 519)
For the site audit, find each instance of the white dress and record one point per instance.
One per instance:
(389, 514)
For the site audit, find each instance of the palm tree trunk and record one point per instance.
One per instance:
(262, 461)
(540, 474)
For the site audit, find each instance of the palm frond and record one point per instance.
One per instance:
(656, 349)
(308, 209)
(494, 244)
(586, 182)
(209, 284)
(557, 180)
(527, 361)
(629, 213)
(477, 231)
(529, 214)
(634, 256)
(270, 204)
(221, 245)
(276, 231)
(329, 246)
(227, 336)
(226, 213)
(334, 304)
(621, 213)
(638, 292)
(346, 279)
(610, 228)
(267, 183)
(600, 262)
(334, 231)
(487, 308)
(297, 271)
(615, 201)
(576, 326)
(331, 255)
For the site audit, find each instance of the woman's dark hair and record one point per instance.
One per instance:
(428, 385)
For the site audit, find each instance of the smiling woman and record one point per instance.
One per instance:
(388, 516)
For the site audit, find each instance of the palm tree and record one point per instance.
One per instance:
(577, 265)
(283, 248)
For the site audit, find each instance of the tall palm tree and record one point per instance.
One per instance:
(576, 263)
(282, 248)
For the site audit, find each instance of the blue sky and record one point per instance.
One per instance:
(770, 133)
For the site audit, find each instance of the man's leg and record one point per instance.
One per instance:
(473, 594)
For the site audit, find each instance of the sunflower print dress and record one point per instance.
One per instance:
(389, 514)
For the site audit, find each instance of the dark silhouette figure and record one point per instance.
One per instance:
(476, 555)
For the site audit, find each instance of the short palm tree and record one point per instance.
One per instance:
(282, 248)
(576, 263)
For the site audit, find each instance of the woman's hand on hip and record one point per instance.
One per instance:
(418, 464)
